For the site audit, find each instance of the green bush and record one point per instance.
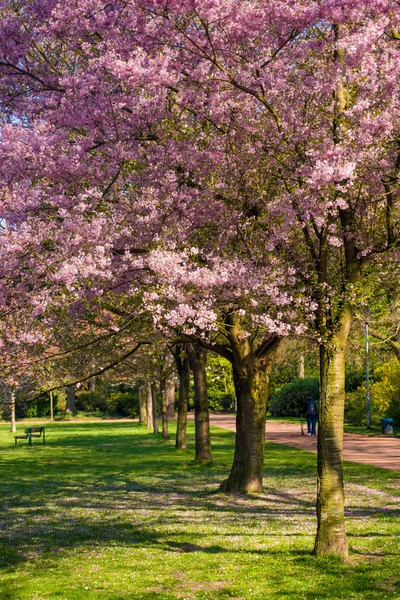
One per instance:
(384, 396)
(26, 408)
(124, 404)
(117, 400)
(355, 412)
(220, 388)
(354, 379)
(91, 401)
(290, 399)
(224, 402)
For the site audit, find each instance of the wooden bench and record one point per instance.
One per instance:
(31, 432)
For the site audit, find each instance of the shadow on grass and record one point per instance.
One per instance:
(100, 485)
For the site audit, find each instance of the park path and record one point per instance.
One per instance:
(379, 451)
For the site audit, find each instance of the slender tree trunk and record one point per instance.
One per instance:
(164, 410)
(149, 415)
(170, 396)
(142, 404)
(251, 372)
(301, 365)
(331, 534)
(154, 406)
(12, 407)
(183, 368)
(71, 408)
(51, 406)
(198, 360)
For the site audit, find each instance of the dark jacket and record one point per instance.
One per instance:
(311, 408)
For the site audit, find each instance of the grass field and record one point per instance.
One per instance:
(107, 510)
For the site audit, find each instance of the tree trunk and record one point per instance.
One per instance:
(248, 464)
(183, 368)
(71, 408)
(164, 411)
(12, 408)
(154, 406)
(170, 394)
(51, 406)
(142, 404)
(198, 360)
(331, 534)
(251, 372)
(149, 415)
(301, 365)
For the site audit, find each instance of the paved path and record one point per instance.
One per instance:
(377, 451)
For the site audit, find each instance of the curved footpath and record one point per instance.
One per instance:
(378, 451)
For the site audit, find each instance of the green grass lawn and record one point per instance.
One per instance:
(107, 510)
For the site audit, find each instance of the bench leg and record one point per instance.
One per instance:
(30, 440)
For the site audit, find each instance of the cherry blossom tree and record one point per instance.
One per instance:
(319, 118)
(264, 136)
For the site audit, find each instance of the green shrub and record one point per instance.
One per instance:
(220, 388)
(354, 379)
(91, 401)
(224, 402)
(384, 396)
(123, 403)
(117, 400)
(290, 399)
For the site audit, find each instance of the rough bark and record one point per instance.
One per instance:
(331, 534)
(142, 404)
(71, 408)
(149, 415)
(198, 360)
(251, 372)
(12, 408)
(333, 329)
(154, 406)
(170, 397)
(183, 368)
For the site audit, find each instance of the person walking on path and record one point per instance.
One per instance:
(381, 451)
(311, 416)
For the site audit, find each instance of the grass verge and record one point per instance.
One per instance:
(108, 510)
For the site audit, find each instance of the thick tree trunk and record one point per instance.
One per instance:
(251, 373)
(170, 396)
(154, 406)
(331, 534)
(183, 368)
(198, 361)
(333, 321)
(164, 411)
(12, 408)
(142, 404)
(248, 464)
(149, 415)
(71, 408)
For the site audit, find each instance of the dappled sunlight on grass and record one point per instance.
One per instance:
(109, 510)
